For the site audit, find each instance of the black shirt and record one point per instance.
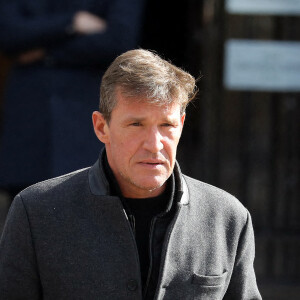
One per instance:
(144, 210)
(149, 219)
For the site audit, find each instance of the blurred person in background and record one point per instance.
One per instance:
(59, 48)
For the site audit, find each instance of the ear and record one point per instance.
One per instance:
(182, 119)
(100, 127)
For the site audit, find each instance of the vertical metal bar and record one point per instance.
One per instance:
(245, 143)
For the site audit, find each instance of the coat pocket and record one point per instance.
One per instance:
(208, 287)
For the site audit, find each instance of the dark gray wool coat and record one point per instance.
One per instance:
(67, 238)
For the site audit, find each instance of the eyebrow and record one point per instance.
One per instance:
(140, 119)
(172, 121)
(133, 119)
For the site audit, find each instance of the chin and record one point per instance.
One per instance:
(151, 185)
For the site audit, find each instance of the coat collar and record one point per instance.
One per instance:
(99, 184)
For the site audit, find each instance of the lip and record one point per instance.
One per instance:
(151, 163)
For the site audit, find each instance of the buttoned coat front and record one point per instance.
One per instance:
(67, 238)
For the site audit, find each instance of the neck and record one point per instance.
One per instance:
(132, 192)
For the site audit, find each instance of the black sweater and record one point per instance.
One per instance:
(149, 219)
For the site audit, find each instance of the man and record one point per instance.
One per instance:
(131, 226)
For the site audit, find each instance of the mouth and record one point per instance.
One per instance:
(151, 163)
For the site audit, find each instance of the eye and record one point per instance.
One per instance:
(168, 125)
(135, 124)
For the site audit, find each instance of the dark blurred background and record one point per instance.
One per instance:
(244, 139)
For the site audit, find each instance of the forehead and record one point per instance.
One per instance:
(141, 105)
(127, 98)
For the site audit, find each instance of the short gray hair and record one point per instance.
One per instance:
(144, 73)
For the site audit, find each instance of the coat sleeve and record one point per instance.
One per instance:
(124, 23)
(19, 277)
(243, 284)
(26, 25)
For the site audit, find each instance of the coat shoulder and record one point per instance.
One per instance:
(212, 198)
(58, 188)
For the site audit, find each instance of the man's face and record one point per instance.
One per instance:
(141, 142)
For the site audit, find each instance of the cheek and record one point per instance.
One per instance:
(174, 138)
(170, 146)
(123, 145)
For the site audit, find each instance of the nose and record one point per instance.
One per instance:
(153, 141)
